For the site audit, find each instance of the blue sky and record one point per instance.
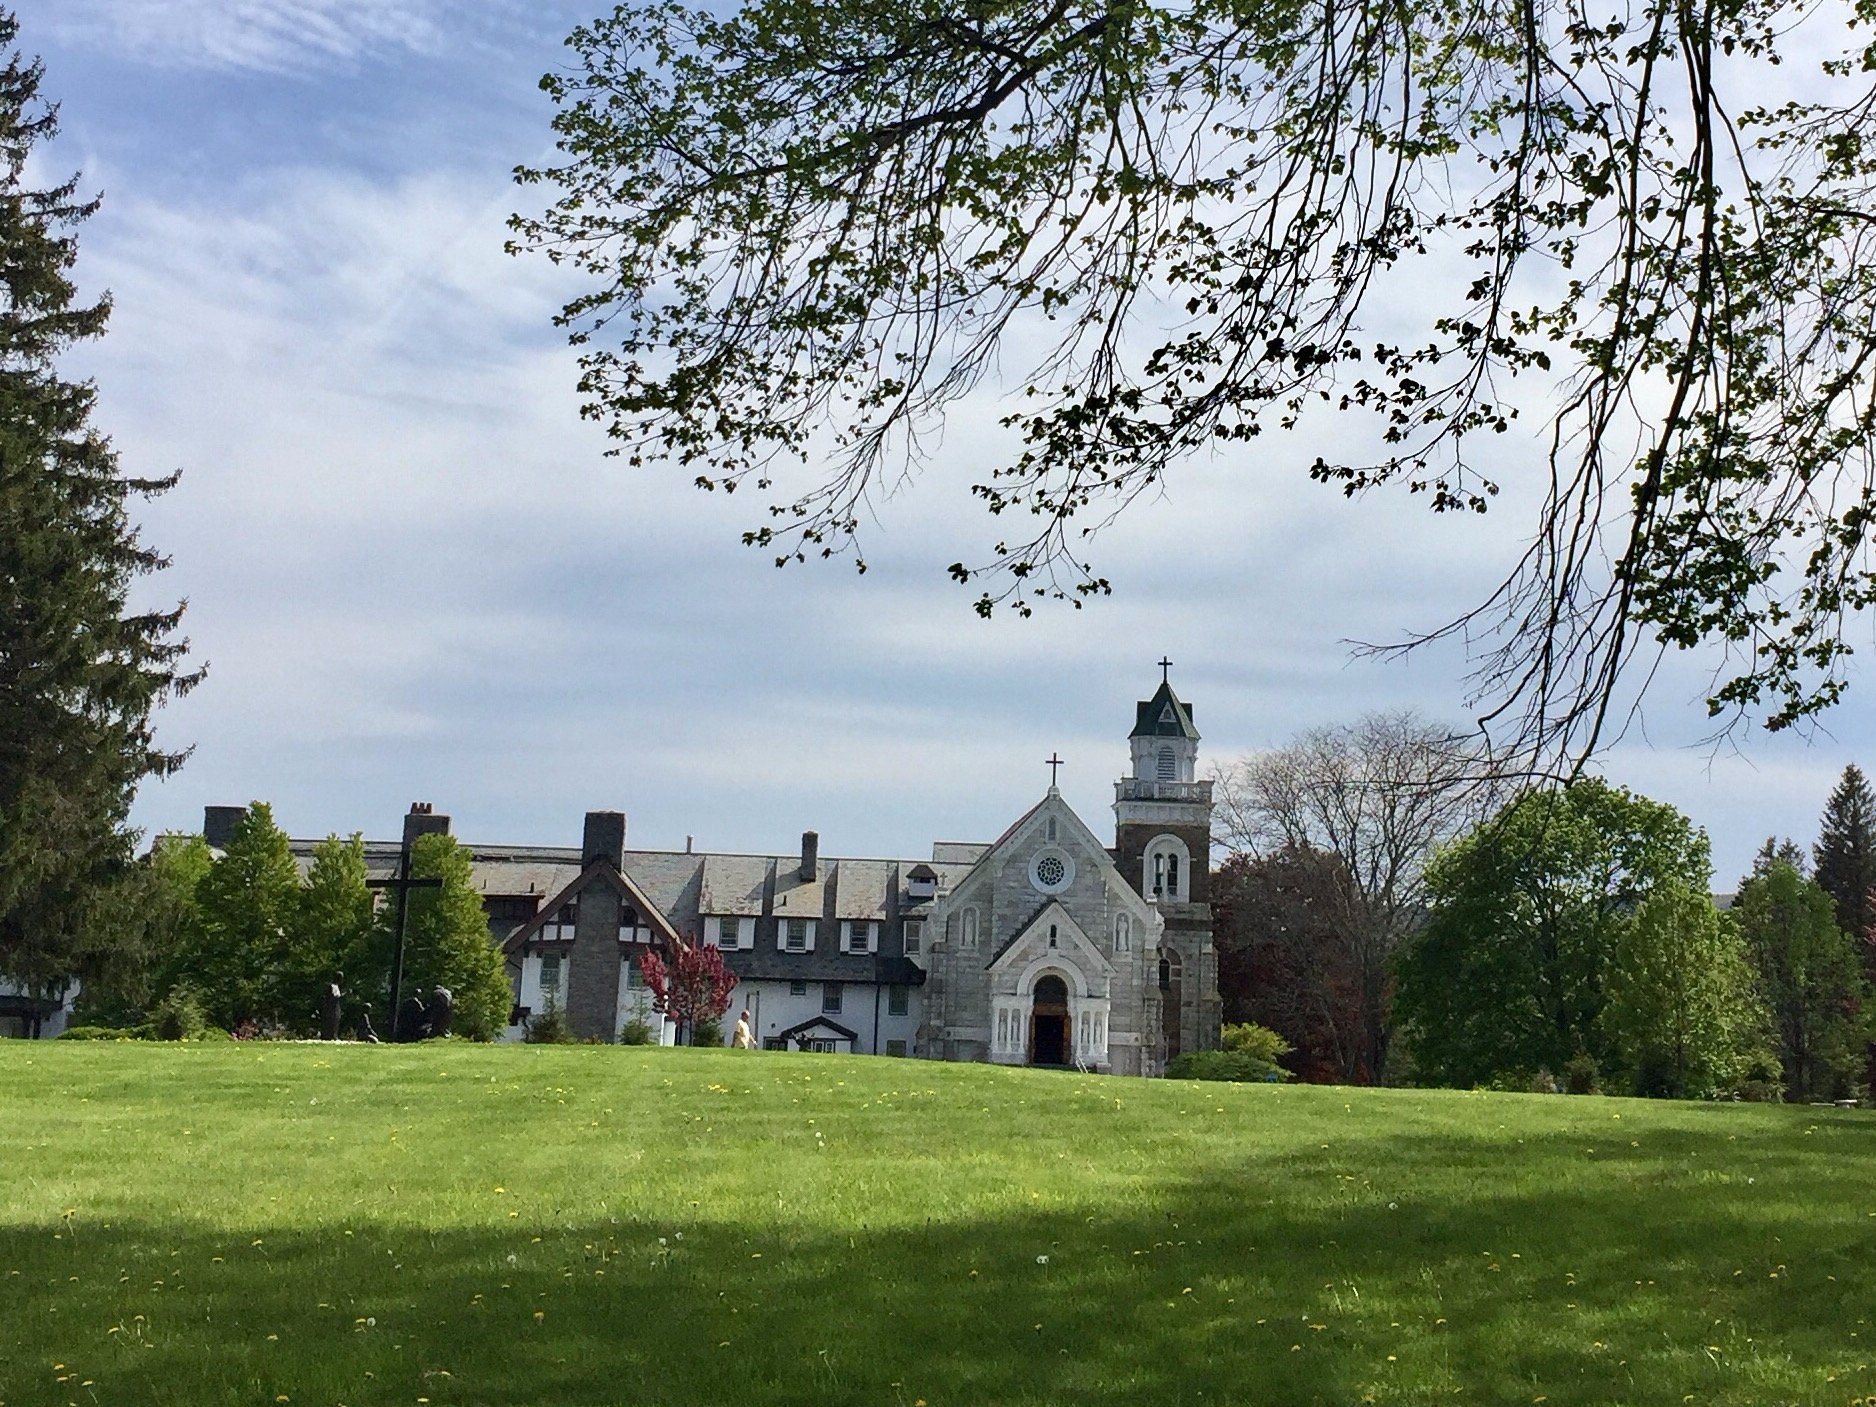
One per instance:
(415, 576)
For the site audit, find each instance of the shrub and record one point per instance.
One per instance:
(180, 1016)
(1763, 1081)
(1248, 1038)
(1543, 1082)
(637, 1031)
(96, 1033)
(1236, 1066)
(550, 1027)
(707, 1032)
(1581, 1075)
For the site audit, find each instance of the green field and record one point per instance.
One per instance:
(474, 1225)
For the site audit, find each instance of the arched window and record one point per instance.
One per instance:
(1123, 933)
(1166, 862)
(1051, 828)
(1168, 768)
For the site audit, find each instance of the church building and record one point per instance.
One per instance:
(1044, 947)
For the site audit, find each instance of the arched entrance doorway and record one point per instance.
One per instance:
(1048, 1023)
(1171, 997)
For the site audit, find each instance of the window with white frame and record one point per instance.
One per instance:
(914, 936)
(795, 935)
(550, 975)
(859, 936)
(729, 932)
(634, 978)
(798, 987)
(898, 999)
(831, 993)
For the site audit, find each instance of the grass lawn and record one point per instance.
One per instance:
(458, 1224)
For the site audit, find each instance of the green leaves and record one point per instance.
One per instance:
(809, 230)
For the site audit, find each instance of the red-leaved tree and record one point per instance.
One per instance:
(690, 984)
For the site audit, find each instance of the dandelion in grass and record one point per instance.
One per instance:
(1042, 1260)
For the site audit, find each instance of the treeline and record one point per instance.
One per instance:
(1397, 915)
(243, 942)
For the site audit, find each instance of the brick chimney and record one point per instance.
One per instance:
(423, 820)
(810, 854)
(604, 838)
(218, 823)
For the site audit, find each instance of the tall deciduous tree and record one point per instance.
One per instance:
(248, 903)
(1810, 979)
(1510, 974)
(1846, 853)
(1681, 1007)
(808, 229)
(143, 931)
(447, 941)
(1283, 958)
(80, 670)
(1377, 796)
(332, 933)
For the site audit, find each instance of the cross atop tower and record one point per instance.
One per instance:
(1165, 670)
(1055, 763)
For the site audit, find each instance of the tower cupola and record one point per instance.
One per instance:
(1165, 744)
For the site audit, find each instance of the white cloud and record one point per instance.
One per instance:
(267, 36)
(416, 575)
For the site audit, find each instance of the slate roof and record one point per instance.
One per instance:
(1164, 716)
(863, 888)
(682, 889)
(958, 852)
(733, 884)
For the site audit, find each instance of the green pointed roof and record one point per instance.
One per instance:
(1164, 716)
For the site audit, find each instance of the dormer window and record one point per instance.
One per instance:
(795, 935)
(921, 882)
(860, 936)
(729, 932)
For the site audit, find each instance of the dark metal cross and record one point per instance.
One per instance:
(1165, 670)
(1054, 763)
(417, 823)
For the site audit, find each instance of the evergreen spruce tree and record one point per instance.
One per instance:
(1846, 853)
(249, 903)
(80, 671)
(1777, 850)
(447, 942)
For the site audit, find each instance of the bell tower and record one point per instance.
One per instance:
(1162, 845)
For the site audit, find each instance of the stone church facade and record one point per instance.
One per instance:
(1055, 949)
(1044, 947)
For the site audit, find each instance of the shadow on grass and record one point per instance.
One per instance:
(1623, 1275)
